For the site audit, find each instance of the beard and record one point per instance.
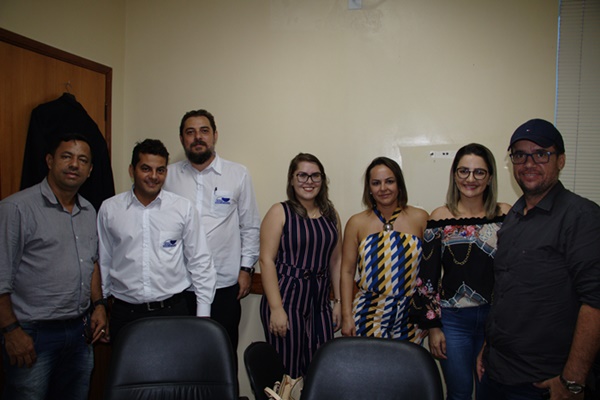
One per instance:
(199, 158)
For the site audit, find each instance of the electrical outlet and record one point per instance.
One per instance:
(442, 154)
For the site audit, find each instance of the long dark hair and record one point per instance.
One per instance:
(322, 200)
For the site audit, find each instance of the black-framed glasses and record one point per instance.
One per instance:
(302, 177)
(478, 173)
(538, 157)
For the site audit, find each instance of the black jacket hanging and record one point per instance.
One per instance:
(61, 116)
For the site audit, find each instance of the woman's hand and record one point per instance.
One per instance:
(437, 343)
(336, 314)
(348, 326)
(480, 368)
(279, 325)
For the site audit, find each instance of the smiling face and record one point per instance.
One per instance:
(198, 140)
(69, 166)
(149, 176)
(470, 187)
(535, 180)
(383, 186)
(306, 191)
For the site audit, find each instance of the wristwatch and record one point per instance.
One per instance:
(249, 270)
(572, 386)
(101, 302)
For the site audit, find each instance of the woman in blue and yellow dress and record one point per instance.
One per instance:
(384, 242)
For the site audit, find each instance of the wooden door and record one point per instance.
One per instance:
(32, 73)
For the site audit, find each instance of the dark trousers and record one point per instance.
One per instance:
(123, 313)
(225, 309)
(500, 391)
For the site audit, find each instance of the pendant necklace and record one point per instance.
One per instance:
(388, 226)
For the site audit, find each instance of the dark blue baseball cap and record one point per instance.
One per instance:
(540, 132)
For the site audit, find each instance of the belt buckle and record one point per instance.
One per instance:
(161, 305)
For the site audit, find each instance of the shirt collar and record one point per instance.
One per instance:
(51, 197)
(545, 203)
(216, 165)
(133, 200)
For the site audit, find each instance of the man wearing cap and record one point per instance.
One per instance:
(543, 331)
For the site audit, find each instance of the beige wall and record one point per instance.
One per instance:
(397, 78)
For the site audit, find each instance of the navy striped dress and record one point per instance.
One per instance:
(302, 265)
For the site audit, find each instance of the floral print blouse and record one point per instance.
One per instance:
(456, 269)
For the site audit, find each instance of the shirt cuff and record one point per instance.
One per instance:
(202, 310)
(247, 261)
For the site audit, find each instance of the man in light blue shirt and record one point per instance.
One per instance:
(152, 246)
(49, 280)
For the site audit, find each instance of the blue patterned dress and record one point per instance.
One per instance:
(302, 265)
(388, 265)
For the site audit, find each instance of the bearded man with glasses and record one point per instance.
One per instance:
(543, 331)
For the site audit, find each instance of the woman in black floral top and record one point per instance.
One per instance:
(456, 272)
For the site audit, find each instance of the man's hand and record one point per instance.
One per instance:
(558, 391)
(244, 280)
(99, 325)
(20, 349)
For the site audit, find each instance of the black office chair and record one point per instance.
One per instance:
(172, 358)
(264, 367)
(358, 368)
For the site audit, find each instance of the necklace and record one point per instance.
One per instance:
(463, 262)
(314, 214)
(388, 225)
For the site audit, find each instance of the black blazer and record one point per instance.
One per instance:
(61, 116)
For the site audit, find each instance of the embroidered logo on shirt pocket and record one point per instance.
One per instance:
(169, 243)
(222, 203)
(170, 246)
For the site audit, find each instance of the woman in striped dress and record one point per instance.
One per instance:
(300, 255)
(384, 241)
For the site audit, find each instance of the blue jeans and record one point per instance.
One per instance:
(464, 332)
(63, 367)
(499, 391)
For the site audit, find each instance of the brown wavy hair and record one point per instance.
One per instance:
(322, 200)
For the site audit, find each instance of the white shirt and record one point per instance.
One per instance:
(224, 197)
(151, 253)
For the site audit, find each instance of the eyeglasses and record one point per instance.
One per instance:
(478, 173)
(302, 177)
(538, 157)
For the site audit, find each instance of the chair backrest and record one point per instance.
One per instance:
(357, 368)
(172, 358)
(264, 367)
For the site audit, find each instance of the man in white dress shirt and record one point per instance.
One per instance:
(223, 194)
(152, 246)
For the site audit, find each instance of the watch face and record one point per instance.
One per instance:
(575, 388)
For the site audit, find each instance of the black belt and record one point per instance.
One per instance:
(153, 305)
